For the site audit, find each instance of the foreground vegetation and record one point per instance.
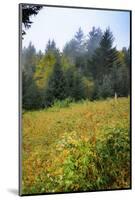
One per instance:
(82, 147)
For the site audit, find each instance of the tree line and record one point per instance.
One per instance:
(87, 68)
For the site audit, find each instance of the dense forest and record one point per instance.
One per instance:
(88, 67)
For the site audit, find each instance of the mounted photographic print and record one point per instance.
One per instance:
(75, 99)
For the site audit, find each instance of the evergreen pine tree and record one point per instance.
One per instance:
(104, 57)
(94, 38)
(56, 89)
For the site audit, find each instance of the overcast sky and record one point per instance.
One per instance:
(61, 24)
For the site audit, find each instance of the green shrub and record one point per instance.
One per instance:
(63, 103)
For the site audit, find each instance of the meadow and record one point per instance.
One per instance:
(80, 146)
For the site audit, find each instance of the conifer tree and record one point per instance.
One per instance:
(94, 38)
(104, 57)
(56, 89)
(103, 61)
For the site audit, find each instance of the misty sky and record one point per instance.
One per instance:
(61, 25)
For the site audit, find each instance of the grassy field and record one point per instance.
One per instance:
(83, 147)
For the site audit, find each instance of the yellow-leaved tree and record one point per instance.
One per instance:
(44, 70)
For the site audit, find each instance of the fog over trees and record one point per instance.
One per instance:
(89, 67)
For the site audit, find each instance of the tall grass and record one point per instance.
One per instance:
(83, 147)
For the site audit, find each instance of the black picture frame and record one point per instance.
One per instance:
(20, 96)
